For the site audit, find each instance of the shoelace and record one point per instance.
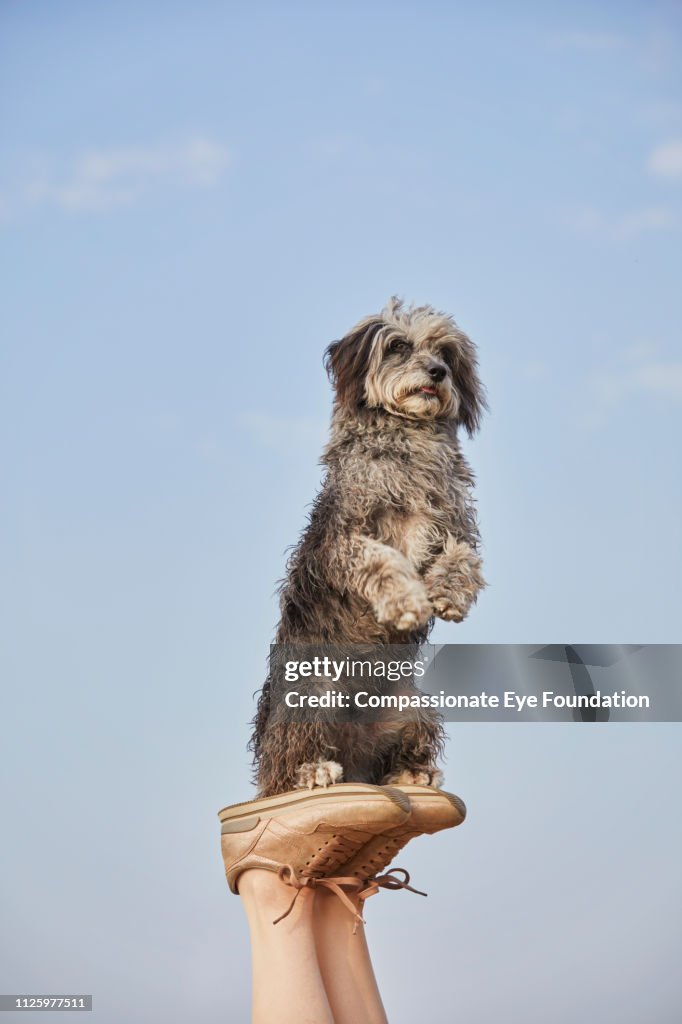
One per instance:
(383, 857)
(333, 883)
(337, 885)
(389, 881)
(336, 848)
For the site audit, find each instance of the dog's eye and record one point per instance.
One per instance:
(400, 346)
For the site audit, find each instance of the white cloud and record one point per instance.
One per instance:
(659, 379)
(666, 160)
(623, 226)
(663, 379)
(643, 352)
(100, 179)
(653, 218)
(630, 379)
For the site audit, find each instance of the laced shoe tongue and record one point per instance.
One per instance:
(382, 857)
(335, 852)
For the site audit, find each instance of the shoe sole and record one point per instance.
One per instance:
(428, 792)
(271, 805)
(377, 855)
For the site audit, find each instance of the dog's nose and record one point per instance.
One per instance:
(436, 371)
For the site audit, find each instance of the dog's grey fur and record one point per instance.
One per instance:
(392, 540)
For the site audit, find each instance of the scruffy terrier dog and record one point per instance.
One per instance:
(391, 543)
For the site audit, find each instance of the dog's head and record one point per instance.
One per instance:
(412, 362)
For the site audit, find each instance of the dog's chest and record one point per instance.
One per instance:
(416, 535)
(415, 501)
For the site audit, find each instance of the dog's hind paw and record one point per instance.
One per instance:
(318, 773)
(419, 777)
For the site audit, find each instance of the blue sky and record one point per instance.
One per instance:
(194, 200)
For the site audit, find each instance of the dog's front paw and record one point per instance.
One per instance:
(416, 777)
(451, 607)
(318, 773)
(404, 607)
(454, 581)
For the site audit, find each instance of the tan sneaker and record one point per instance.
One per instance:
(310, 832)
(432, 811)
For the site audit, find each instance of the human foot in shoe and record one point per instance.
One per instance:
(312, 833)
(432, 810)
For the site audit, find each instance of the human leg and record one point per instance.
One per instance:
(344, 962)
(286, 981)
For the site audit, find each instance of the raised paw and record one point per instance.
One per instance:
(454, 581)
(405, 607)
(451, 607)
(318, 773)
(416, 777)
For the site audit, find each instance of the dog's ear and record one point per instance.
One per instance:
(346, 362)
(467, 382)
